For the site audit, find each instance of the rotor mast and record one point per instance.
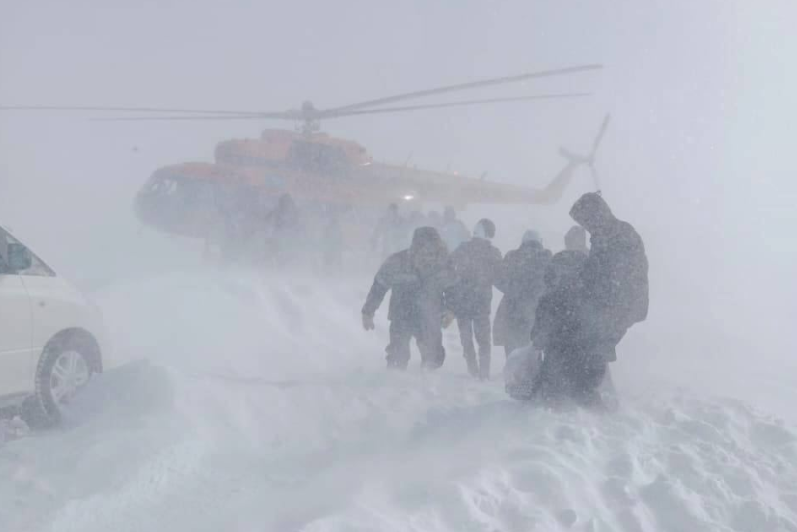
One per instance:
(310, 122)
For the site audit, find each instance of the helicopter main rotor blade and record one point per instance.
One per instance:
(305, 114)
(360, 112)
(461, 86)
(289, 115)
(167, 118)
(466, 103)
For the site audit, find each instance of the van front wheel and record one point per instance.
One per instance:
(64, 369)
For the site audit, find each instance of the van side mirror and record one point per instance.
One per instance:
(19, 258)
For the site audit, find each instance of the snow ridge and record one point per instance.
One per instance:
(264, 407)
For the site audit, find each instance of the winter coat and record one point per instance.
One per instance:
(566, 263)
(521, 279)
(558, 324)
(415, 295)
(615, 276)
(477, 263)
(571, 366)
(574, 364)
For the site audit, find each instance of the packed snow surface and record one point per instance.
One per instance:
(260, 405)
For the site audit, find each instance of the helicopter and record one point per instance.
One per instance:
(314, 168)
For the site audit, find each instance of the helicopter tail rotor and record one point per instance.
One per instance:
(589, 160)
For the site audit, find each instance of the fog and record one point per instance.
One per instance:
(697, 157)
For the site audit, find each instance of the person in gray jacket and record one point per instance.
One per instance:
(477, 262)
(521, 279)
(419, 279)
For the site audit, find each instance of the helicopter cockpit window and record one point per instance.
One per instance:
(165, 186)
(169, 186)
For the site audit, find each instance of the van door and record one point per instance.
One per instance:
(16, 330)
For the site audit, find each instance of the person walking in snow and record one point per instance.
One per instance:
(614, 276)
(390, 232)
(568, 369)
(521, 279)
(477, 263)
(420, 279)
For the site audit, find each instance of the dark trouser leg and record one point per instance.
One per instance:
(481, 327)
(585, 375)
(604, 394)
(465, 326)
(398, 350)
(430, 344)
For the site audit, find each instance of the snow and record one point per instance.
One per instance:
(260, 404)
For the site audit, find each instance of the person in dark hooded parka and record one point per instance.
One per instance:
(570, 368)
(477, 263)
(614, 277)
(521, 279)
(420, 278)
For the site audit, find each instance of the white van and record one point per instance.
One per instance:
(52, 338)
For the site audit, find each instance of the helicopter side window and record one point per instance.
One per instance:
(196, 193)
(315, 157)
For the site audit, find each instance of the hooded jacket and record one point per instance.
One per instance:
(615, 275)
(558, 324)
(521, 279)
(419, 285)
(477, 263)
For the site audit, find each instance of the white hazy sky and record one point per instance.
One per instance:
(702, 95)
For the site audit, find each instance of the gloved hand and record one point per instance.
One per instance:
(448, 319)
(368, 322)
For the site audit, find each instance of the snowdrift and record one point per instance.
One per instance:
(261, 405)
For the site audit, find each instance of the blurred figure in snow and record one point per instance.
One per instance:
(477, 263)
(521, 279)
(614, 276)
(569, 369)
(390, 232)
(287, 238)
(332, 244)
(435, 220)
(452, 230)
(420, 279)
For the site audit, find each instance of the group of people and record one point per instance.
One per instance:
(262, 232)
(569, 310)
(393, 232)
(267, 233)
